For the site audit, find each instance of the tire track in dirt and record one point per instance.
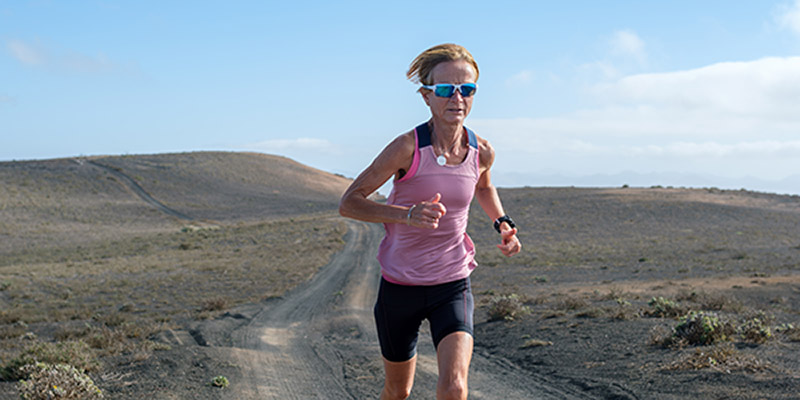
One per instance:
(131, 184)
(319, 341)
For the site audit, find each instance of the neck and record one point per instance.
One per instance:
(444, 134)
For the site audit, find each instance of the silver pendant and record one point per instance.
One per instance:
(441, 160)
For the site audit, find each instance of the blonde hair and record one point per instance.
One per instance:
(421, 67)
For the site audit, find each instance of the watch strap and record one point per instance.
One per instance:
(504, 218)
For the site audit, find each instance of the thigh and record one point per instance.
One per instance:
(399, 378)
(453, 310)
(398, 315)
(454, 355)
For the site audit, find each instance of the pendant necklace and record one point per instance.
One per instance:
(441, 159)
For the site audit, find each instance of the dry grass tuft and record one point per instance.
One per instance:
(722, 357)
(506, 307)
(535, 343)
(712, 301)
(215, 304)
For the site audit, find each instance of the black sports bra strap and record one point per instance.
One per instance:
(423, 135)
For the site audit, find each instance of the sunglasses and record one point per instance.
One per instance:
(448, 89)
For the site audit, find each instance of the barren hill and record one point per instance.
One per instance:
(76, 200)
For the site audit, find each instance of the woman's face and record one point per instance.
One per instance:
(453, 109)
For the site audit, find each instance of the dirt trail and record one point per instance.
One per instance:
(319, 341)
(139, 191)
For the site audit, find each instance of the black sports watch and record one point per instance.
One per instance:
(504, 218)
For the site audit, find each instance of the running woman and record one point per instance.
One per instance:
(426, 255)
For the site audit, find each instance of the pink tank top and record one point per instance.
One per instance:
(417, 256)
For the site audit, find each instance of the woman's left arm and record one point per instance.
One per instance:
(489, 200)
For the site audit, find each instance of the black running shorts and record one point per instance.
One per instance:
(400, 310)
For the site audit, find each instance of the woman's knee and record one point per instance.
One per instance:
(453, 390)
(399, 392)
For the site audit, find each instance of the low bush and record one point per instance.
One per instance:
(571, 303)
(506, 307)
(755, 330)
(59, 381)
(665, 308)
(702, 328)
(220, 381)
(75, 353)
(790, 331)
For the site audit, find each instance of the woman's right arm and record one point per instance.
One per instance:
(398, 155)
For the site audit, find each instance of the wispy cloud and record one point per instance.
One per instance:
(624, 51)
(35, 54)
(26, 53)
(281, 146)
(6, 99)
(787, 16)
(521, 78)
(628, 43)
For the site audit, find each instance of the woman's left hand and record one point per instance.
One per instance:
(511, 244)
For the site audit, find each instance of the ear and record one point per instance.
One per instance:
(426, 96)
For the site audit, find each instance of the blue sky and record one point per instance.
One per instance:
(680, 93)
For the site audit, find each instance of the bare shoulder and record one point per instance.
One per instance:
(396, 156)
(401, 149)
(485, 151)
(405, 141)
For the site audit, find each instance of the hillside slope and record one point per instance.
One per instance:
(74, 201)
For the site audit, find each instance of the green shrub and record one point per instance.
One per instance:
(665, 308)
(506, 307)
(75, 353)
(755, 331)
(702, 328)
(220, 381)
(791, 332)
(60, 381)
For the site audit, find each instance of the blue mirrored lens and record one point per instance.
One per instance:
(445, 90)
(468, 89)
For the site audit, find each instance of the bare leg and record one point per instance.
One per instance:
(399, 378)
(454, 354)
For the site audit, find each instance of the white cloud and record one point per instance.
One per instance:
(788, 17)
(768, 87)
(628, 43)
(25, 53)
(726, 119)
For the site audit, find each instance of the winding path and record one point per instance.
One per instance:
(319, 341)
(139, 191)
